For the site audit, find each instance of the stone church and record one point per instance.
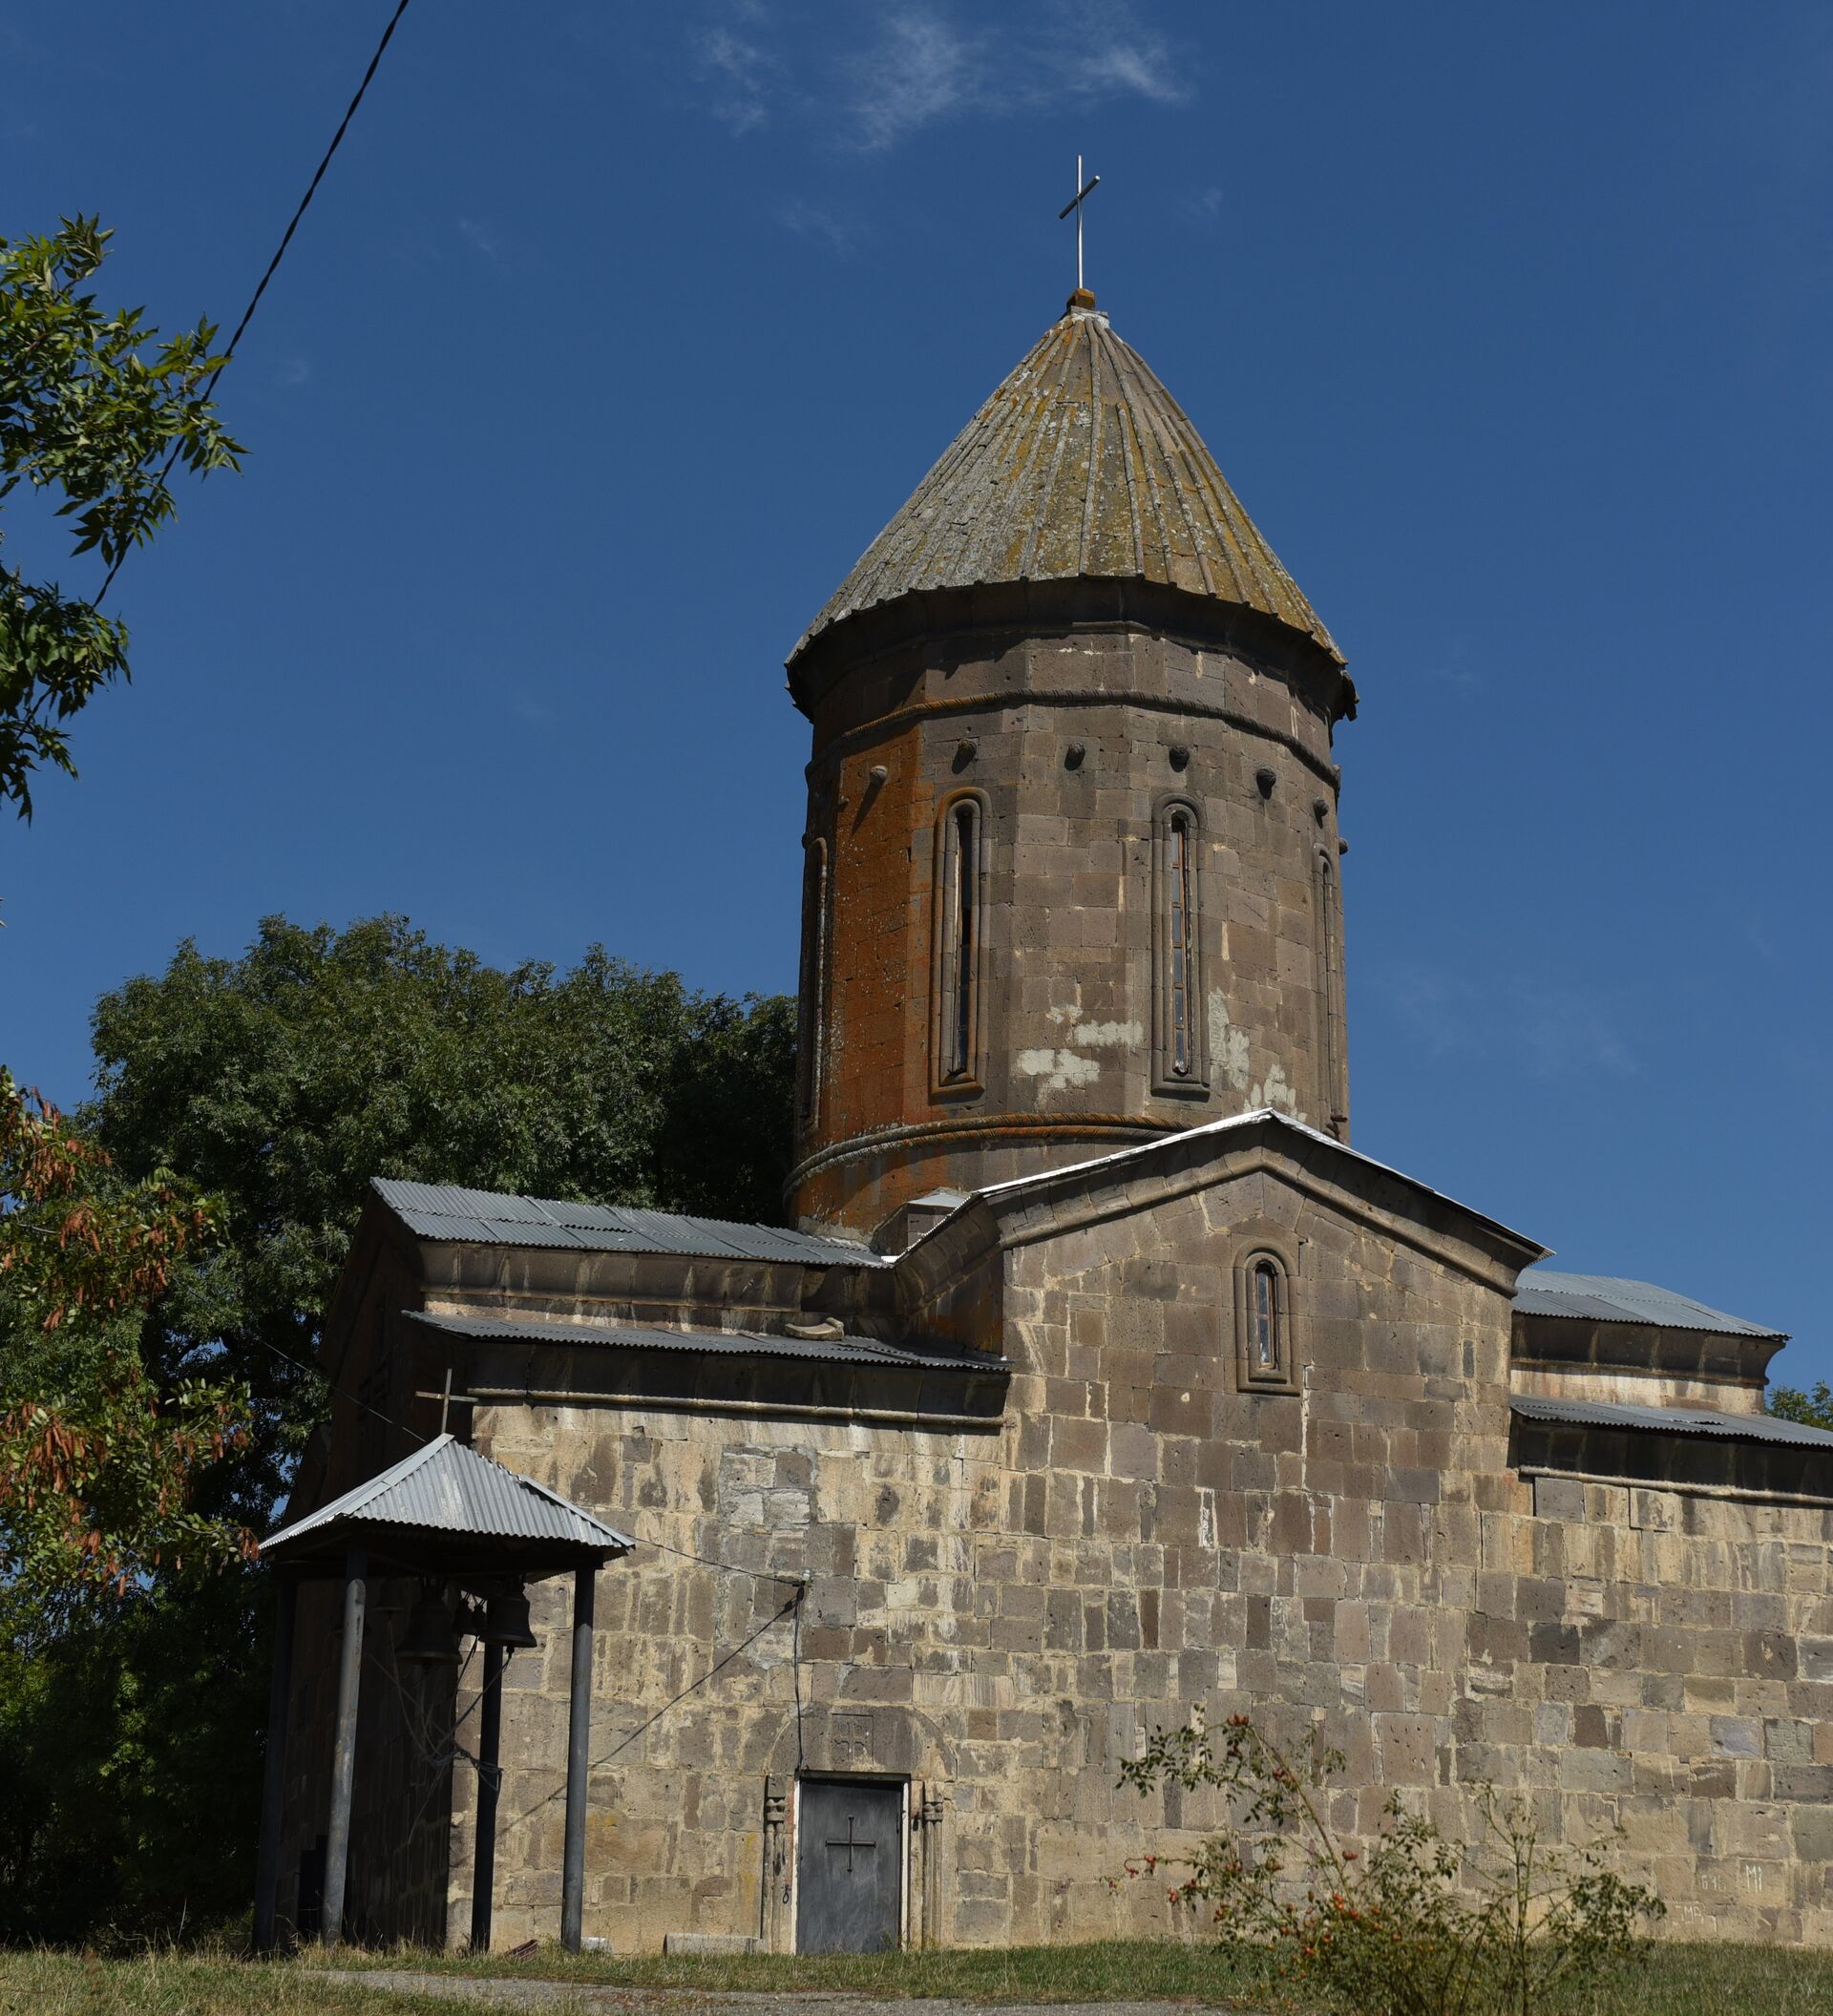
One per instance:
(1101, 1375)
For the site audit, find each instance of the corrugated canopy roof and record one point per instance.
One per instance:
(446, 1492)
(1603, 1298)
(1081, 464)
(1670, 1421)
(441, 1211)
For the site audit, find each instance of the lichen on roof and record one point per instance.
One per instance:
(1081, 464)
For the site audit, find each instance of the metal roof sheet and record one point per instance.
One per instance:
(1670, 1421)
(503, 1218)
(1604, 1298)
(735, 1343)
(446, 1487)
(1079, 464)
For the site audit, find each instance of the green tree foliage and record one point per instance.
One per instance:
(93, 414)
(98, 1462)
(283, 1081)
(129, 1751)
(275, 1085)
(1813, 1409)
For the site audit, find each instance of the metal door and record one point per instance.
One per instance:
(848, 1866)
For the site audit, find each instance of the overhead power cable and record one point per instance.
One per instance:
(279, 253)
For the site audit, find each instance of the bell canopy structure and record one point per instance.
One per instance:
(1072, 850)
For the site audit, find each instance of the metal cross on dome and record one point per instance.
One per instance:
(1084, 190)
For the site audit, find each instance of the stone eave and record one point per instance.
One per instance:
(1029, 608)
(1580, 1344)
(1054, 1202)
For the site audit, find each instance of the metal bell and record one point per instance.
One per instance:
(506, 1621)
(429, 1639)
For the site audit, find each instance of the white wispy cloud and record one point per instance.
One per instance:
(809, 220)
(480, 238)
(919, 63)
(919, 69)
(1560, 1031)
(292, 371)
(1457, 666)
(743, 77)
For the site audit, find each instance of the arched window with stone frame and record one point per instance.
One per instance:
(958, 951)
(1180, 1047)
(1267, 1314)
(812, 993)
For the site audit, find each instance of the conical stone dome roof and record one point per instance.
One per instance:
(1079, 464)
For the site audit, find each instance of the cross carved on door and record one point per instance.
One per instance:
(849, 1844)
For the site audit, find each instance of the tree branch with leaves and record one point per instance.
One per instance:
(98, 1464)
(97, 413)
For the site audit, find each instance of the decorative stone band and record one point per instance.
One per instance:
(1028, 1127)
(886, 725)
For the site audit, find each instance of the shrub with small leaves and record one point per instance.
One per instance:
(1418, 1925)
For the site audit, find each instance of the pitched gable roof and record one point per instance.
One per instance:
(447, 1490)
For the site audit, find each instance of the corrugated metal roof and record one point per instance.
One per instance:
(734, 1343)
(448, 1489)
(1081, 464)
(1603, 1298)
(1670, 1421)
(501, 1218)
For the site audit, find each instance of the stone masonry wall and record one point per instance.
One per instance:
(1001, 1618)
(1073, 743)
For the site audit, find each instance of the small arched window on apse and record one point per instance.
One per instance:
(959, 935)
(1180, 1061)
(1264, 1322)
(812, 995)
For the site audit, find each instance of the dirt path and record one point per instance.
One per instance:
(561, 1995)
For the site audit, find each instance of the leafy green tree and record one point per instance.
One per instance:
(280, 1083)
(97, 1463)
(129, 1750)
(91, 413)
(1814, 1409)
(275, 1085)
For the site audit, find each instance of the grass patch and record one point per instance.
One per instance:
(1106, 1971)
(1672, 1981)
(179, 1984)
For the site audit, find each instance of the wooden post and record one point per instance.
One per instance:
(490, 1740)
(273, 1783)
(579, 1742)
(350, 1680)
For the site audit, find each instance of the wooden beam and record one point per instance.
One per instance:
(273, 1782)
(489, 1741)
(579, 1742)
(350, 1680)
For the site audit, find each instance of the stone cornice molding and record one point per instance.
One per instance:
(884, 726)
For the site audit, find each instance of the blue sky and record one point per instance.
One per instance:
(617, 332)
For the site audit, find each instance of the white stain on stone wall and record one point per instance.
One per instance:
(1276, 1092)
(1058, 1069)
(1107, 1036)
(1227, 1045)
